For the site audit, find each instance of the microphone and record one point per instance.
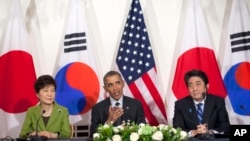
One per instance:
(43, 111)
(117, 104)
(203, 95)
(37, 137)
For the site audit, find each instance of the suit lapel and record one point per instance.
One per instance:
(53, 116)
(106, 109)
(192, 112)
(126, 107)
(126, 104)
(207, 109)
(38, 114)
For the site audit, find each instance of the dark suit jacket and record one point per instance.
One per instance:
(58, 122)
(214, 114)
(133, 111)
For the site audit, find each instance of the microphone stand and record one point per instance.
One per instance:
(37, 137)
(207, 135)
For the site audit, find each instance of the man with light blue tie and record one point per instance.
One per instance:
(200, 112)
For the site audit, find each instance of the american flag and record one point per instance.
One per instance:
(135, 61)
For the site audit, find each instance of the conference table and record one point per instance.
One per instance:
(190, 139)
(84, 139)
(215, 139)
(211, 137)
(73, 139)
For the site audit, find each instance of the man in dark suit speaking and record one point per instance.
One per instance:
(117, 108)
(200, 112)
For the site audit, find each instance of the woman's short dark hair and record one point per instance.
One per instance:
(198, 73)
(43, 81)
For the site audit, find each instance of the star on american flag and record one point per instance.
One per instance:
(135, 56)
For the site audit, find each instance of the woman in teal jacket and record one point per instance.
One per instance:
(48, 118)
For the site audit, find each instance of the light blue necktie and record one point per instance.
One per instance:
(199, 112)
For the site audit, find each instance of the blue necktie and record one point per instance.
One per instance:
(199, 112)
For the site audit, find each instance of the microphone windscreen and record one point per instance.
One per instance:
(43, 111)
(117, 104)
